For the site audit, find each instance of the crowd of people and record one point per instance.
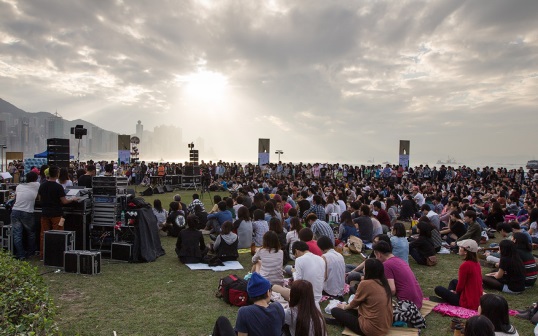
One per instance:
(305, 214)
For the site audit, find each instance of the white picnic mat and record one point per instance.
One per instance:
(228, 265)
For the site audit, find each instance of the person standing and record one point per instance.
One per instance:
(86, 179)
(22, 217)
(52, 196)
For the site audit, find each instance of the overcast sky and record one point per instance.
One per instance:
(336, 81)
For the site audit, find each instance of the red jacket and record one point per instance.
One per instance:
(469, 284)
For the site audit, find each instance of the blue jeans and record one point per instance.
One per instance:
(23, 225)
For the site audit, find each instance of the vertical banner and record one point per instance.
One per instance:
(264, 150)
(124, 148)
(405, 146)
(124, 156)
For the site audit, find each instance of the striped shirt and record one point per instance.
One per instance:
(321, 228)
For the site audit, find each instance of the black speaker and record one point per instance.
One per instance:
(158, 190)
(57, 142)
(188, 170)
(75, 222)
(131, 192)
(147, 192)
(168, 188)
(55, 243)
(121, 251)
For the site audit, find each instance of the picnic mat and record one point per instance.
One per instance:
(245, 250)
(427, 307)
(446, 309)
(228, 265)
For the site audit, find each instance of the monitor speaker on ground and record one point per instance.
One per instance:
(168, 188)
(158, 190)
(147, 192)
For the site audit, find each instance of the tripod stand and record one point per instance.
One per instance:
(205, 189)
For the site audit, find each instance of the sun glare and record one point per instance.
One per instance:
(205, 85)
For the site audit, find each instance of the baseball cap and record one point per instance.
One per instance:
(469, 244)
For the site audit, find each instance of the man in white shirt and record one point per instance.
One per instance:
(417, 196)
(309, 267)
(335, 268)
(22, 217)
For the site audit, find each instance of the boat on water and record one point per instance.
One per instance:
(532, 164)
(448, 161)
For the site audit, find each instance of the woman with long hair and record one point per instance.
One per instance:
(268, 259)
(275, 225)
(270, 212)
(159, 213)
(303, 316)
(510, 278)
(495, 308)
(347, 227)
(243, 228)
(422, 247)
(495, 215)
(373, 299)
(524, 249)
(466, 290)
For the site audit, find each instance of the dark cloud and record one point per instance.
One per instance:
(358, 74)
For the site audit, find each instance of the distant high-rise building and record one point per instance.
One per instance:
(56, 127)
(139, 130)
(25, 134)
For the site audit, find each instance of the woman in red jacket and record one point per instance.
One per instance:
(467, 289)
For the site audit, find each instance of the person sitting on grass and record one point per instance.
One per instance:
(159, 213)
(510, 278)
(319, 227)
(355, 273)
(335, 268)
(275, 225)
(268, 259)
(259, 227)
(243, 227)
(495, 308)
(225, 245)
(262, 318)
(479, 325)
(422, 248)
(374, 303)
(474, 230)
(221, 216)
(303, 316)
(347, 227)
(190, 246)
(175, 222)
(399, 242)
(306, 235)
(466, 290)
(308, 266)
(403, 282)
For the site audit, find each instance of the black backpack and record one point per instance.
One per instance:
(233, 290)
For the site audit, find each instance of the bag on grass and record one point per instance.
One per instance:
(431, 260)
(355, 244)
(233, 290)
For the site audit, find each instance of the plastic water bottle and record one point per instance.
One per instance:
(123, 218)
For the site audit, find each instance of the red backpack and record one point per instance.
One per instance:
(233, 290)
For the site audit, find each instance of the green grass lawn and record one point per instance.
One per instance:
(166, 298)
